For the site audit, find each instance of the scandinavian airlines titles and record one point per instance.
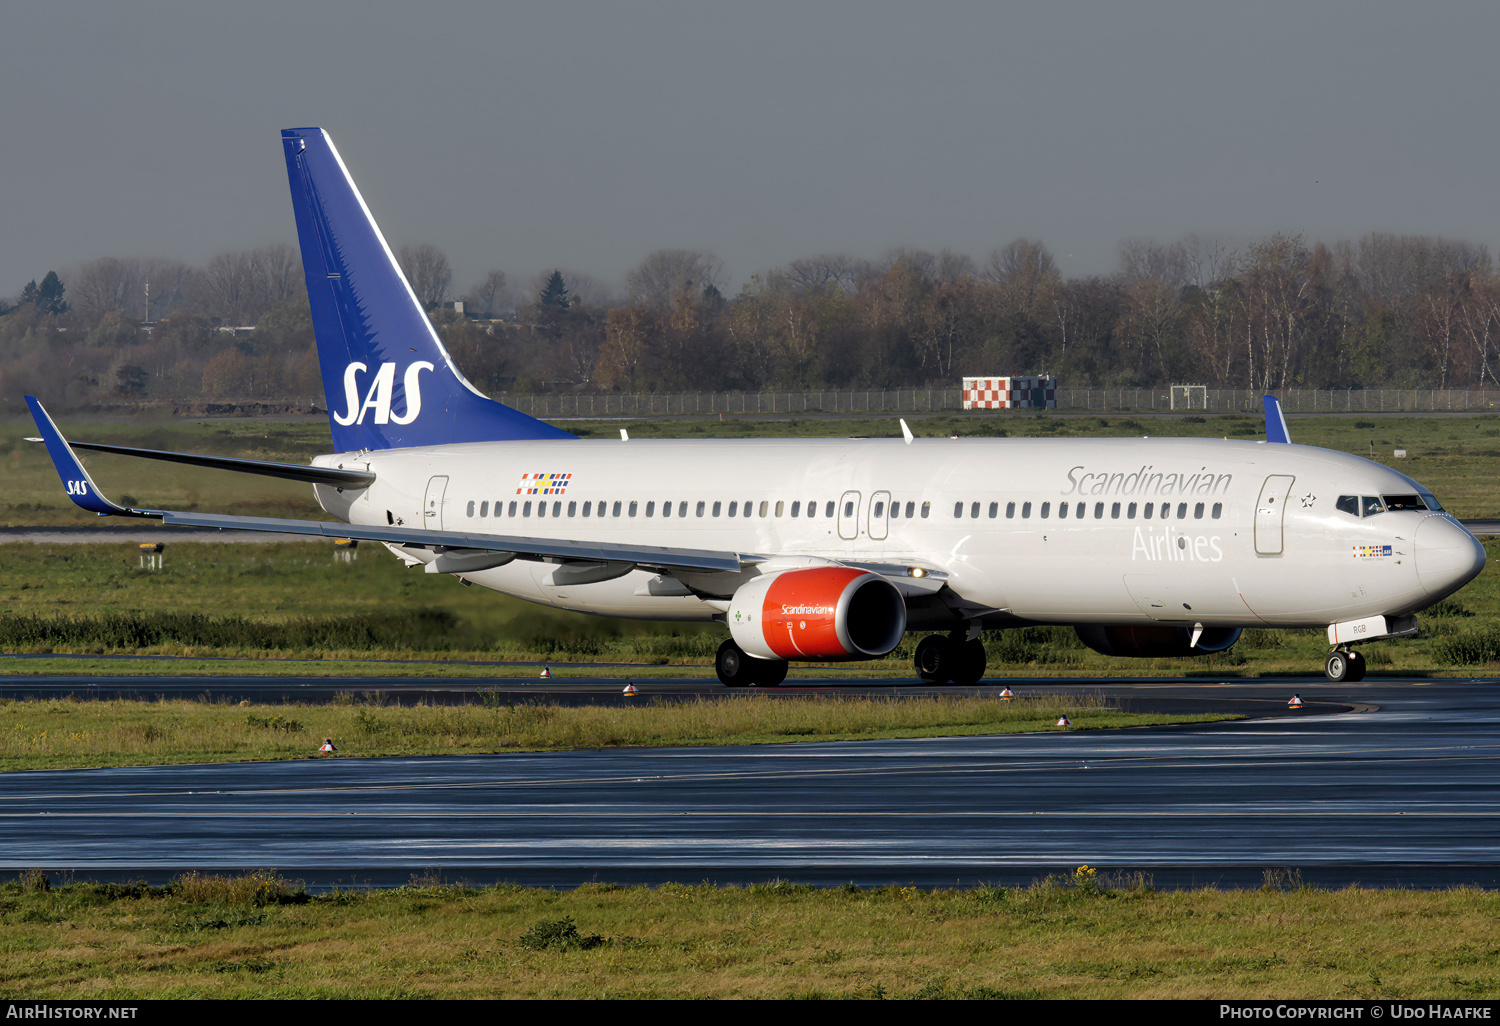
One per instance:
(1146, 481)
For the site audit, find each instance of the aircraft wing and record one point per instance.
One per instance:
(462, 549)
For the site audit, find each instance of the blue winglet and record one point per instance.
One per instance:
(1276, 422)
(80, 487)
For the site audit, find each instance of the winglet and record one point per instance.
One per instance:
(1276, 422)
(80, 487)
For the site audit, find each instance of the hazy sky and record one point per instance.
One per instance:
(586, 135)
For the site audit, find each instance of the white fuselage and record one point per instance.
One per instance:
(1170, 531)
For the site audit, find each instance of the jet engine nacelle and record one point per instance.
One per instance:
(826, 612)
(1156, 641)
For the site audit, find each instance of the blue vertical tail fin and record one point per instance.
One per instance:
(389, 381)
(1275, 421)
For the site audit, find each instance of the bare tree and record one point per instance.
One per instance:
(664, 275)
(428, 273)
(1027, 277)
(831, 270)
(1143, 260)
(490, 296)
(241, 287)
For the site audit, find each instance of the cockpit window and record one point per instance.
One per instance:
(1369, 505)
(1400, 502)
(1430, 500)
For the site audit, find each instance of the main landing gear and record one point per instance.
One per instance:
(737, 670)
(1345, 666)
(941, 659)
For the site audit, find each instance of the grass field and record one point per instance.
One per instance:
(81, 733)
(1079, 936)
(296, 601)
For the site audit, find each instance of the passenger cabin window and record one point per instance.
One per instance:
(958, 509)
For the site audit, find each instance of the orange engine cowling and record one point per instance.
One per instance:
(826, 612)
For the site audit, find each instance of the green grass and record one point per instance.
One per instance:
(1082, 934)
(294, 601)
(73, 733)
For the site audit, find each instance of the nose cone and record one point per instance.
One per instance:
(1447, 556)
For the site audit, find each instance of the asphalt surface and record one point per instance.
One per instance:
(1387, 782)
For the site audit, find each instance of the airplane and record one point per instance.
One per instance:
(822, 550)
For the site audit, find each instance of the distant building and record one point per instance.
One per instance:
(1038, 392)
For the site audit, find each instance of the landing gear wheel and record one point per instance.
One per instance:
(1356, 667)
(969, 666)
(1337, 668)
(768, 673)
(934, 660)
(733, 666)
(737, 670)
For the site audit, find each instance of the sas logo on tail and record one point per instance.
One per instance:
(378, 397)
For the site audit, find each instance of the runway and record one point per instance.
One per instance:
(1400, 790)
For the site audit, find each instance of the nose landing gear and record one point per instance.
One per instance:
(1345, 666)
